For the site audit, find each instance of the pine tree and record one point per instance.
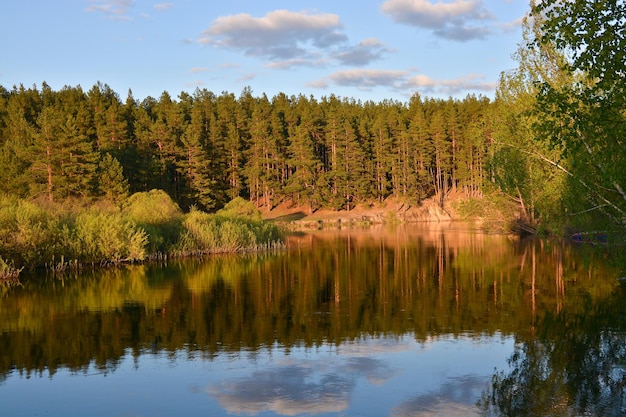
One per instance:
(199, 187)
(111, 182)
(422, 149)
(63, 158)
(440, 169)
(231, 134)
(19, 126)
(382, 153)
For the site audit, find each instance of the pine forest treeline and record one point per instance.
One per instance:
(548, 152)
(206, 149)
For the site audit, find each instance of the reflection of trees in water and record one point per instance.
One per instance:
(326, 288)
(576, 365)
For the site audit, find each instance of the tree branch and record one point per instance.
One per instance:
(565, 170)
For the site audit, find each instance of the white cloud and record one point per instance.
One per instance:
(195, 84)
(514, 25)
(363, 78)
(459, 20)
(228, 65)
(455, 398)
(163, 6)
(288, 390)
(403, 81)
(291, 39)
(196, 70)
(363, 53)
(463, 33)
(422, 81)
(322, 83)
(471, 82)
(246, 77)
(289, 63)
(113, 9)
(300, 387)
(279, 35)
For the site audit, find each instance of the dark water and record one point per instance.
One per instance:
(410, 321)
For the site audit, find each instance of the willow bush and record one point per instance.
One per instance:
(156, 213)
(102, 237)
(28, 232)
(226, 232)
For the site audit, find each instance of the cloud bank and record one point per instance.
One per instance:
(404, 81)
(288, 39)
(280, 34)
(460, 20)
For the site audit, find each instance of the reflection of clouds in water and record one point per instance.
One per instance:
(376, 371)
(288, 390)
(454, 398)
(307, 387)
(370, 346)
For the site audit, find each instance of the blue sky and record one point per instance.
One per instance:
(367, 50)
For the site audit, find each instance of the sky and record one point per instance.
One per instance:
(363, 49)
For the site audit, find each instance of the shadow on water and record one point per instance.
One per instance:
(574, 364)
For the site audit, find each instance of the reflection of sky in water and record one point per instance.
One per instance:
(394, 376)
(371, 377)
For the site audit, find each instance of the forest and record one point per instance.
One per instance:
(204, 149)
(551, 143)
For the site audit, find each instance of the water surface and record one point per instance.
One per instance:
(407, 321)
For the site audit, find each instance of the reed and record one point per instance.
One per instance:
(108, 237)
(147, 226)
(8, 272)
(225, 232)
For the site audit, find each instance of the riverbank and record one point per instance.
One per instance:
(391, 211)
(61, 236)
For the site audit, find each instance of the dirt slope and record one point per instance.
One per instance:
(389, 211)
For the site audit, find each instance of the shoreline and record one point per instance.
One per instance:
(294, 218)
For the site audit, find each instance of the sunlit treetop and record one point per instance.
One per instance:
(593, 34)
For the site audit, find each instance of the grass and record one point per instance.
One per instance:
(58, 237)
(226, 232)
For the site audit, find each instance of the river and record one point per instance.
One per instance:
(416, 320)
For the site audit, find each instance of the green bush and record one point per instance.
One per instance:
(201, 233)
(152, 207)
(28, 232)
(33, 234)
(108, 237)
(239, 207)
(211, 233)
(156, 213)
(236, 236)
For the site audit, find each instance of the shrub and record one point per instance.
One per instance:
(236, 236)
(28, 232)
(158, 215)
(201, 233)
(152, 207)
(108, 237)
(211, 233)
(33, 237)
(239, 207)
